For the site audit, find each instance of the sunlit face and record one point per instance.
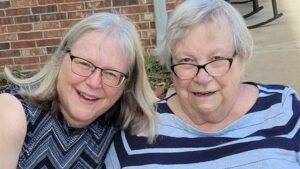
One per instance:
(84, 99)
(204, 97)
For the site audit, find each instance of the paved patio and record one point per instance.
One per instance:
(276, 56)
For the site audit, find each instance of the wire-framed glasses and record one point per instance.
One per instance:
(85, 68)
(214, 68)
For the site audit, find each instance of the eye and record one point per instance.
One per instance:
(111, 74)
(83, 64)
(217, 58)
(186, 60)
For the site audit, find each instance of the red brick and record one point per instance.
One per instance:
(150, 8)
(148, 33)
(46, 25)
(74, 0)
(4, 46)
(22, 3)
(6, 61)
(146, 42)
(6, 21)
(18, 11)
(7, 37)
(152, 25)
(145, 1)
(68, 23)
(56, 16)
(33, 52)
(79, 14)
(108, 10)
(44, 9)
(51, 50)
(31, 35)
(2, 14)
(133, 9)
(134, 17)
(171, 6)
(9, 53)
(48, 42)
(147, 17)
(3, 29)
(143, 25)
(28, 19)
(47, 2)
(22, 44)
(4, 4)
(153, 41)
(98, 4)
(19, 28)
(124, 3)
(54, 33)
(26, 60)
(71, 7)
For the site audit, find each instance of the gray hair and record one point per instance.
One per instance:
(194, 12)
(136, 103)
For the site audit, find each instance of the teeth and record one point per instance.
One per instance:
(87, 96)
(204, 93)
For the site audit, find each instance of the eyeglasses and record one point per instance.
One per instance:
(85, 68)
(214, 68)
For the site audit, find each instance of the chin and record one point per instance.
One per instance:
(81, 121)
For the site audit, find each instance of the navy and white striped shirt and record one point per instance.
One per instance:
(266, 137)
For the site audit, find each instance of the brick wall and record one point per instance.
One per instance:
(30, 30)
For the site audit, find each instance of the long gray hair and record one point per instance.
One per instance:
(136, 103)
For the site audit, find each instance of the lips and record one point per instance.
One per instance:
(87, 97)
(204, 93)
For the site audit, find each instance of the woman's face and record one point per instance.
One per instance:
(204, 97)
(84, 99)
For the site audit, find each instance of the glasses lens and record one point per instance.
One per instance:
(218, 67)
(82, 67)
(112, 78)
(185, 71)
(214, 68)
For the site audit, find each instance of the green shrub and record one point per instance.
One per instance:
(157, 74)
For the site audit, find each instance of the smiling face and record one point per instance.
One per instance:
(205, 98)
(84, 99)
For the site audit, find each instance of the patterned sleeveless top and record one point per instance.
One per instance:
(50, 143)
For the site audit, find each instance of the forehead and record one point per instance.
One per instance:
(206, 36)
(101, 48)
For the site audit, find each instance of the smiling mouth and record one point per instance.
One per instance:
(204, 93)
(87, 97)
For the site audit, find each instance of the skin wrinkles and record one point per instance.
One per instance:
(83, 99)
(208, 103)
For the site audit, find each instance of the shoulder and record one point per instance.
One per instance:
(285, 97)
(12, 129)
(275, 89)
(12, 116)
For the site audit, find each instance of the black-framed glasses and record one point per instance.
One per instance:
(214, 68)
(85, 68)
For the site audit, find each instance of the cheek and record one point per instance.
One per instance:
(66, 76)
(231, 82)
(114, 93)
(181, 86)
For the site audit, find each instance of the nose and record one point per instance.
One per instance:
(202, 76)
(95, 79)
